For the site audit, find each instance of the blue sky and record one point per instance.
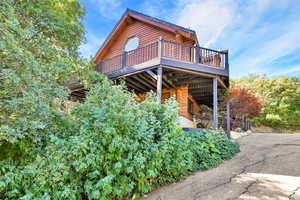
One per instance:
(263, 36)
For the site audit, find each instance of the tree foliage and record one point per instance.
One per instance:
(243, 105)
(280, 99)
(38, 52)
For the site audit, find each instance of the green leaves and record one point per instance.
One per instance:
(281, 105)
(210, 148)
(116, 147)
(36, 60)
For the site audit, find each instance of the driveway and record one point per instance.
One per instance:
(267, 168)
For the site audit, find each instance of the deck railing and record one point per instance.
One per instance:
(212, 57)
(141, 55)
(177, 51)
(165, 49)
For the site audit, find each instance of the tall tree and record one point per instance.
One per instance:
(39, 40)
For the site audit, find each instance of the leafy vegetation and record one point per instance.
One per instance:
(280, 100)
(38, 52)
(109, 147)
(243, 105)
(210, 148)
(114, 147)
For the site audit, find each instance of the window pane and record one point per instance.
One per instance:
(132, 44)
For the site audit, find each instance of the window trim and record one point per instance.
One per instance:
(128, 39)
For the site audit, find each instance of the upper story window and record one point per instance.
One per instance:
(132, 44)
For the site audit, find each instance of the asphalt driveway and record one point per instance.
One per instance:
(267, 168)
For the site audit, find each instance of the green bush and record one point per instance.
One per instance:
(117, 147)
(210, 148)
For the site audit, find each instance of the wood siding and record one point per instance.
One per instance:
(146, 34)
(182, 97)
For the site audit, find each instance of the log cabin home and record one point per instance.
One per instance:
(152, 54)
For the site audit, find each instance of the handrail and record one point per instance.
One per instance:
(194, 54)
(165, 49)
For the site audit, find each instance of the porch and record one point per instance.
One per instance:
(169, 68)
(191, 73)
(191, 90)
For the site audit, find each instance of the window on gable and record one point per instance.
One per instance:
(132, 44)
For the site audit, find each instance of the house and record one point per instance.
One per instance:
(152, 54)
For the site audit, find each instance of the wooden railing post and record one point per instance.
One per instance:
(160, 48)
(226, 63)
(197, 54)
(123, 59)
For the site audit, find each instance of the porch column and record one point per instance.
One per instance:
(215, 102)
(228, 120)
(159, 83)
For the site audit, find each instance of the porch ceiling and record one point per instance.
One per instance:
(199, 84)
(200, 87)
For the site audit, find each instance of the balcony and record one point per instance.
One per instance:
(167, 53)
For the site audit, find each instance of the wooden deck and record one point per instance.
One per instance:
(165, 65)
(167, 53)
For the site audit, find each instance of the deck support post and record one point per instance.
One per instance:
(228, 128)
(215, 102)
(159, 83)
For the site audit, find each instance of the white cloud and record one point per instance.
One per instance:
(152, 8)
(287, 71)
(258, 33)
(282, 45)
(110, 9)
(208, 17)
(160, 9)
(267, 53)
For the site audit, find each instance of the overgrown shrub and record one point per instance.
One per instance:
(117, 147)
(210, 148)
(243, 105)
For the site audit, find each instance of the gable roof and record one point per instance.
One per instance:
(188, 33)
(163, 22)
